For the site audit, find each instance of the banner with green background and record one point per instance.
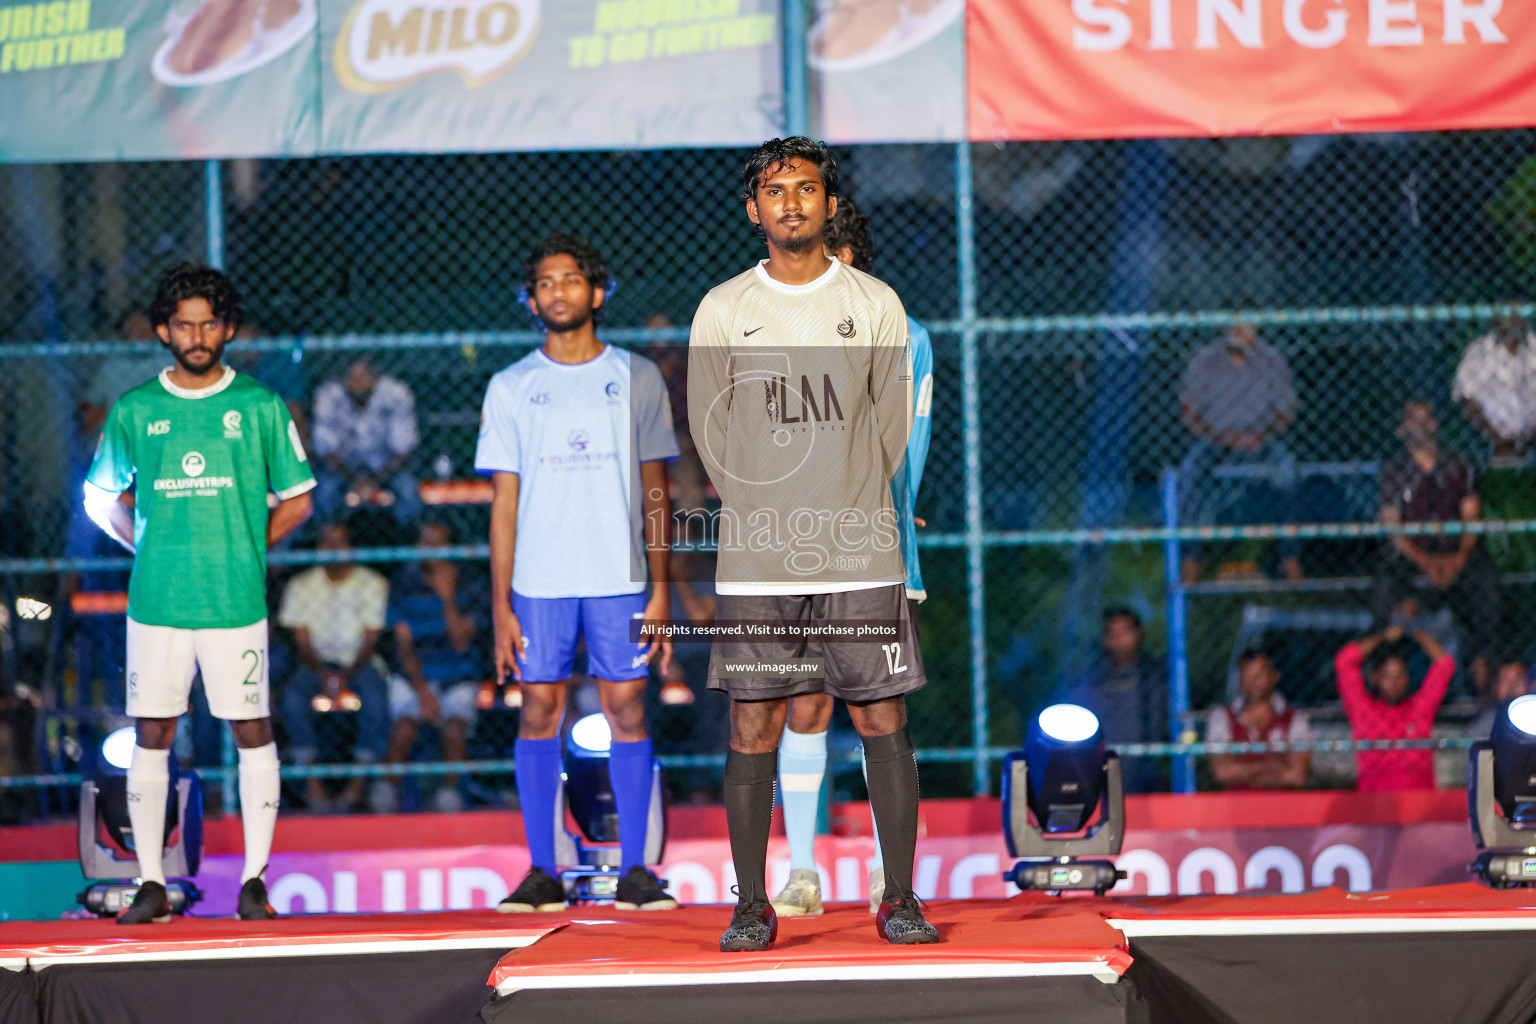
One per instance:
(192, 79)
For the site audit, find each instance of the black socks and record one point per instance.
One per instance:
(749, 787)
(892, 777)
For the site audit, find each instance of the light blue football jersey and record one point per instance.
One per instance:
(909, 478)
(576, 435)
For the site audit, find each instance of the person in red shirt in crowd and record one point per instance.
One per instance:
(1259, 715)
(1385, 711)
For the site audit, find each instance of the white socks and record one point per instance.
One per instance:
(259, 788)
(149, 786)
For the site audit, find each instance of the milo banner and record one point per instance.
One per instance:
(471, 75)
(170, 79)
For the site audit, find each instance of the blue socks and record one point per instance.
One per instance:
(537, 763)
(802, 767)
(629, 772)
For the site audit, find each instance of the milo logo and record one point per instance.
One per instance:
(385, 44)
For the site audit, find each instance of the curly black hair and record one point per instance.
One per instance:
(588, 259)
(190, 281)
(776, 154)
(850, 227)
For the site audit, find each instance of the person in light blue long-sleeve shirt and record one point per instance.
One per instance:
(803, 750)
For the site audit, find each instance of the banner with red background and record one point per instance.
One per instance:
(1077, 69)
(1204, 843)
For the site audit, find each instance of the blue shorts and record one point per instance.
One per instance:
(552, 624)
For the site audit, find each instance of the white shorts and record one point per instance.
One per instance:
(163, 659)
(459, 700)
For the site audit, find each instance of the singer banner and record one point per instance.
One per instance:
(1092, 69)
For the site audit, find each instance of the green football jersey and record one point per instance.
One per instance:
(201, 464)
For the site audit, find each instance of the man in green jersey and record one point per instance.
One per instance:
(201, 446)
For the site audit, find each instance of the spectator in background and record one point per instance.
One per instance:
(277, 370)
(18, 750)
(141, 357)
(1237, 399)
(437, 613)
(365, 432)
(1128, 689)
(1424, 484)
(1496, 386)
(1259, 715)
(1512, 680)
(1385, 711)
(336, 613)
(687, 479)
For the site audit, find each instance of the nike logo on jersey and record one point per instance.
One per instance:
(748, 334)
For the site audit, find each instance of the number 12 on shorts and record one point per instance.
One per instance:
(893, 662)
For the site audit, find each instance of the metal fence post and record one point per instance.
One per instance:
(970, 405)
(213, 203)
(1178, 637)
(797, 114)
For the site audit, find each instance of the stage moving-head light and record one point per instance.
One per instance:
(587, 789)
(117, 748)
(587, 786)
(1064, 749)
(591, 736)
(1514, 761)
(1501, 797)
(1063, 799)
(109, 848)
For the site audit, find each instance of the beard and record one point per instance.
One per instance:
(198, 360)
(798, 243)
(572, 321)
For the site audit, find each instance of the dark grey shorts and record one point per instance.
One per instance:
(854, 670)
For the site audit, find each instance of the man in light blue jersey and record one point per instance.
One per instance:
(803, 750)
(576, 437)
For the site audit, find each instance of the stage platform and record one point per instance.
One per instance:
(374, 968)
(1445, 953)
(1440, 954)
(666, 967)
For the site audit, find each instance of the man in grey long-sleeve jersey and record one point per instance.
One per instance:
(800, 397)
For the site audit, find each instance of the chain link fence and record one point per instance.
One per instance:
(1093, 446)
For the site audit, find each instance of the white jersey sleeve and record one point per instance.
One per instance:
(498, 450)
(655, 438)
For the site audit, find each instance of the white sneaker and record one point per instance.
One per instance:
(876, 889)
(801, 895)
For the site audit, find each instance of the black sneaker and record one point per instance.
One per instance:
(538, 891)
(149, 906)
(753, 928)
(900, 920)
(253, 905)
(640, 889)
